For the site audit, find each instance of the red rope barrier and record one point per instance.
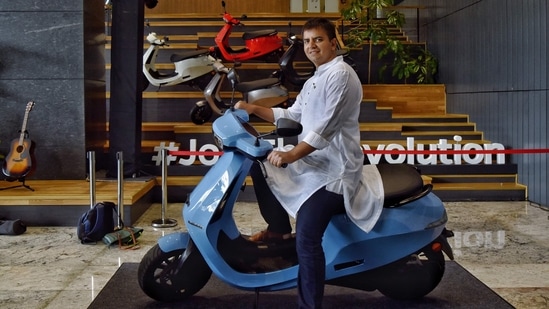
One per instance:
(394, 152)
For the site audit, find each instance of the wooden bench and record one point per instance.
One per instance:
(187, 95)
(147, 146)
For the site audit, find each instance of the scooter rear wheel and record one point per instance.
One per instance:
(162, 278)
(414, 276)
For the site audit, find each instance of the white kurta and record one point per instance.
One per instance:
(328, 107)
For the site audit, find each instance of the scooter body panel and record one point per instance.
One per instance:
(174, 241)
(268, 97)
(408, 228)
(208, 213)
(256, 92)
(192, 68)
(254, 48)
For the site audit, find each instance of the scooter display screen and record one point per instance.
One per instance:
(249, 128)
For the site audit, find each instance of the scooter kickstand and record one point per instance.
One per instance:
(256, 304)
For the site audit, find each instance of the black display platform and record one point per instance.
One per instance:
(458, 289)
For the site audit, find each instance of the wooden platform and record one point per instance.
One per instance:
(62, 202)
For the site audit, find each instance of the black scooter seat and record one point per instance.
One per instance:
(259, 33)
(402, 184)
(256, 84)
(188, 54)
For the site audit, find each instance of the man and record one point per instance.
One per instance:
(324, 170)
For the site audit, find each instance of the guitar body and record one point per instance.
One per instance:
(20, 160)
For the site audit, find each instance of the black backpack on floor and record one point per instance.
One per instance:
(96, 222)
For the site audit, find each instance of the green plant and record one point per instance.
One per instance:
(368, 26)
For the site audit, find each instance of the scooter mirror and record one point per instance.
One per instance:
(286, 127)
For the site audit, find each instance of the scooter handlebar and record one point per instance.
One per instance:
(153, 39)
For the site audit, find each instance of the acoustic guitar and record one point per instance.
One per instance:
(20, 160)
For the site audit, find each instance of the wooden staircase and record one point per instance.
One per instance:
(390, 114)
(420, 110)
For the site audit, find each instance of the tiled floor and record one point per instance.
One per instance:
(504, 244)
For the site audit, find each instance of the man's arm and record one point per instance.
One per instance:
(278, 158)
(262, 112)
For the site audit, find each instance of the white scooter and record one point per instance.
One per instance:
(192, 67)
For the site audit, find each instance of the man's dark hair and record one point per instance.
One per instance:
(319, 22)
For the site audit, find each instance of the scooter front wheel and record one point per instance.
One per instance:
(414, 276)
(172, 276)
(201, 112)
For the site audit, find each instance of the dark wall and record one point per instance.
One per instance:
(494, 60)
(52, 52)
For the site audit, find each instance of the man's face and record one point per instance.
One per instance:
(318, 48)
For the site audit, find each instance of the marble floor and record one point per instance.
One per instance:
(504, 244)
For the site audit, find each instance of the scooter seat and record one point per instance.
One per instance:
(188, 54)
(256, 84)
(259, 33)
(402, 184)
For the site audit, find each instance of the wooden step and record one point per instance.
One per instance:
(219, 23)
(147, 146)
(481, 192)
(426, 117)
(192, 181)
(173, 37)
(189, 127)
(189, 46)
(438, 126)
(213, 34)
(408, 99)
(480, 178)
(474, 186)
(152, 16)
(467, 135)
(403, 142)
(300, 65)
(187, 94)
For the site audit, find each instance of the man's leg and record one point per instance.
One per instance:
(312, 219)
(274, 214)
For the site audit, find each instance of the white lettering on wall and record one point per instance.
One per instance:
(433, 159)
(375, 158)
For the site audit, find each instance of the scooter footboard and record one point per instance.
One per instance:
(174, 241)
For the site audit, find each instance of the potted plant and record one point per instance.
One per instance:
(370, 21)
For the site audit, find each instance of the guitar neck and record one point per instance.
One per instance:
(25, 119)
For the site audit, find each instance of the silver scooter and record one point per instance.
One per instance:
(268, 92)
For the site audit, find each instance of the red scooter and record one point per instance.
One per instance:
(259, 45)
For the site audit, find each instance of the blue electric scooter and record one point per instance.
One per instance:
(402, 256)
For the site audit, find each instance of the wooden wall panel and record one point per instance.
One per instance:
(214, 7)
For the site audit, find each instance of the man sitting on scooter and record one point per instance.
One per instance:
(324, 172)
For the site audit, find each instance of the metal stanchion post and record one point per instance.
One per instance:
(163, 221)
(91, 159)
(120, 159)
